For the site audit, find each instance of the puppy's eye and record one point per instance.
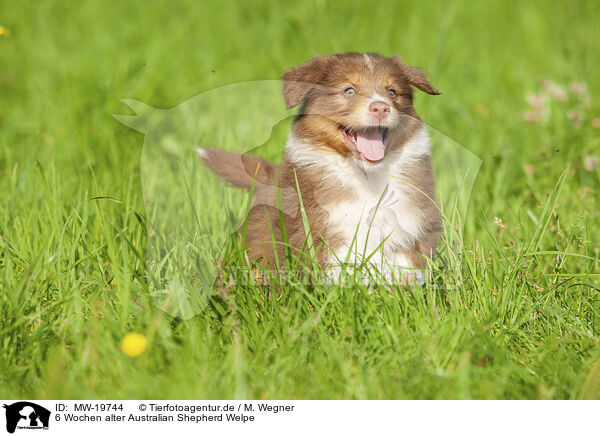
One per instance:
(392, 93)
(349, 91)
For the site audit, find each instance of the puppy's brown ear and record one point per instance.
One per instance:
(298, 81)
(416, 77)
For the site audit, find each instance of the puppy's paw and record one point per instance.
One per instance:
(414, 277)
(406, 273)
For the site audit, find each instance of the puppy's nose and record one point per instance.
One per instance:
(379, 110)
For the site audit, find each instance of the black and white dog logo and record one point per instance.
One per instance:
(26, 415)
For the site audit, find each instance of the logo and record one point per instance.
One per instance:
(191, 216)
(26, 415)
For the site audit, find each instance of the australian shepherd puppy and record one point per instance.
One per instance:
(357, 168)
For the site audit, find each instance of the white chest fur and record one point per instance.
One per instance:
(380, 220)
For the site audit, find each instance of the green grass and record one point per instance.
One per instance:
(525, 320)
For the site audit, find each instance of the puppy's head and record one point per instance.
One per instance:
(357, 105)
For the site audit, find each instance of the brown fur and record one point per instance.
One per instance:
(420, 175)
(242, 170)
(318, 86)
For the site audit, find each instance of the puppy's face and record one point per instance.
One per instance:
(357, 105)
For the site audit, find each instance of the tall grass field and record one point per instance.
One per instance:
(512, 310)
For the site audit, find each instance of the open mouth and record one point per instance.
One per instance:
(367, 144)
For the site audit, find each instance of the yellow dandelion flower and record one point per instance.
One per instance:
(4, 31)
(133, 344)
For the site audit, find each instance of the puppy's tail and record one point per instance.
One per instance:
(241, 170)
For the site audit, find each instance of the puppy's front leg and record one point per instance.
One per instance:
(408, 266)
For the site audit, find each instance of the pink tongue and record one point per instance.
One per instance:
(370, 145)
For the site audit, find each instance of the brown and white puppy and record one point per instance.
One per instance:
(361, 158)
